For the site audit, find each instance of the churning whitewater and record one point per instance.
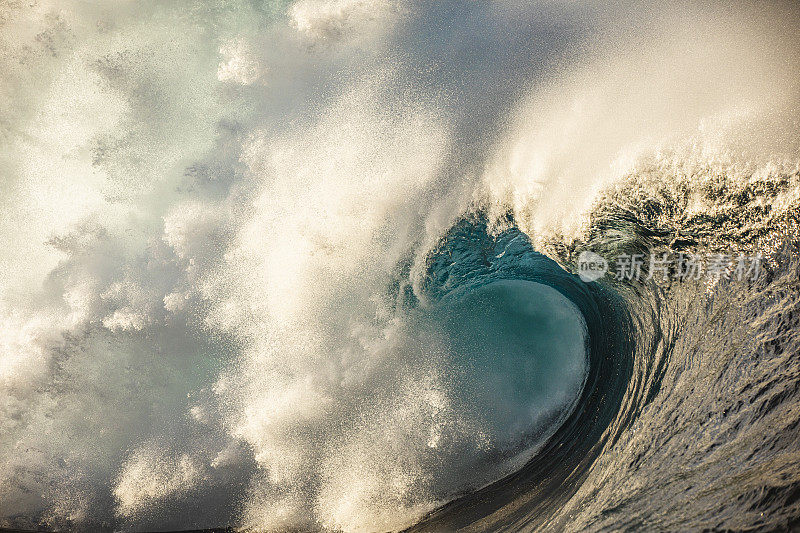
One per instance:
(313, 265)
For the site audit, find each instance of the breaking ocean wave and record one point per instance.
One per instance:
(314, 266)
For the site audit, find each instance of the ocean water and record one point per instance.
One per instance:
(313, 265)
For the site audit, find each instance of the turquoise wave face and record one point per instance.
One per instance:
(550, 355)
(518, 355)
(517, 346)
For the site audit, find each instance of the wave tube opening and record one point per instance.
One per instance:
(518, 357)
